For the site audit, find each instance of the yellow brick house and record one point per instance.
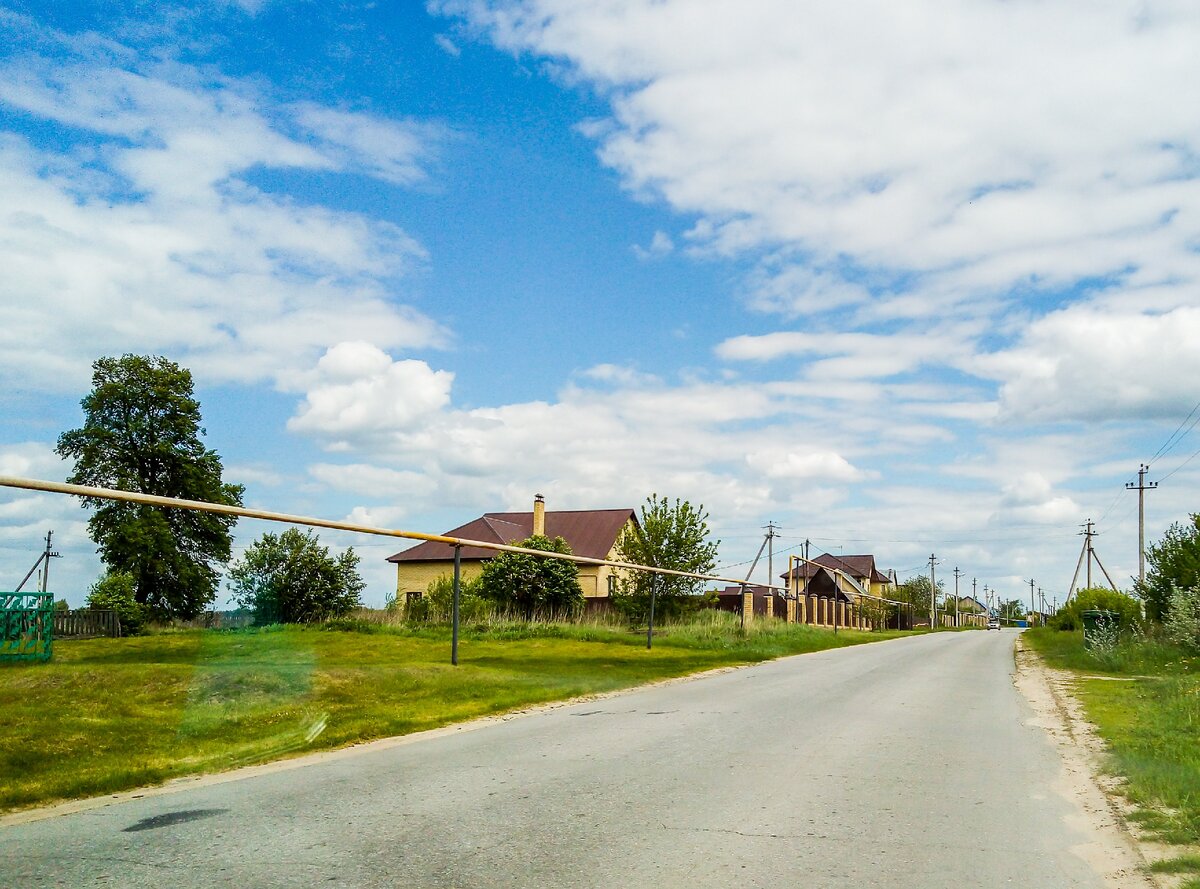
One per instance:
(590, 532)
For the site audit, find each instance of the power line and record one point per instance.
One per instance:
(1172, 439)
(1180, 466)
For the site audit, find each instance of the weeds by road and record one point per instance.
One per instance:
(112, 714)
(1149, 724)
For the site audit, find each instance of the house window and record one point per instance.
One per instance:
(412, 596)
(612, 585)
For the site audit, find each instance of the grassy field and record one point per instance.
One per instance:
(1150, 725)
(112, 714)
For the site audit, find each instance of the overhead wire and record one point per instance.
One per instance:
(1175, 438)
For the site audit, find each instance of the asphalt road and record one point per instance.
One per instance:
(907, 763)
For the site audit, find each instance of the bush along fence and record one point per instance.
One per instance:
(832, 613)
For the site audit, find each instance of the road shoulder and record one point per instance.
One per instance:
(1115, 852)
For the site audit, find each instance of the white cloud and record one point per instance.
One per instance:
(375, 481)
(1086, 364)
(359, 390)
(785, 463)
(391, 150)
(446, 45)
(799, 290)
(660, 245)
(156, 241)
(977, 135)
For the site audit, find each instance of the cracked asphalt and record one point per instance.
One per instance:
(908, 763)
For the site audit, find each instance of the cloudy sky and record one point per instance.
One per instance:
(902, 278)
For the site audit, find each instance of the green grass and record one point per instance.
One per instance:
(1150, 724)
(112, 714)
(1184, 864)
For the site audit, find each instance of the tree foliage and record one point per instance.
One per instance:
(290, 578)
(1182, 625)
(1174, 563)
(531, 586)
(1127, 608)
(1012, 609)
(115, 591)
(437, 605)
(141, 432)
(672, 535)
(915, 592)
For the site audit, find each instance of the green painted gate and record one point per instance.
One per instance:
(26, 626)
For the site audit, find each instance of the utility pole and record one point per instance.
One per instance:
(1141, 487)
(45, 556)
(1087, 552)
(49, 554)
(1087, 544)
(771, 527)
(1032, 602)
(957, 575)
(932, 591)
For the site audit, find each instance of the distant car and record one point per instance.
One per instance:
(993, 623)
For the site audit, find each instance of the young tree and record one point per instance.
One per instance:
(530, 585)
(1174, 563)
(141, 432)
(669, 535)
(915, 592)
(290, 578)
(1127, 608)
(115, 592)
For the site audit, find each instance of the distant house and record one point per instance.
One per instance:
(853, 575)
(592, 533)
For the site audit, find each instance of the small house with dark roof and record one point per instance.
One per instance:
(860, 575)
(592, 533)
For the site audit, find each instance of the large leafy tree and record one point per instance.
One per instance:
(290, 578)
(1012, 609)
(141, 432)
(533, 586)
(915, 592)
(670, 534)
(1174, 563)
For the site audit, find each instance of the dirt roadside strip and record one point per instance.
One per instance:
(1123, 856)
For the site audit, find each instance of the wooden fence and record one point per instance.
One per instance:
(85, 623)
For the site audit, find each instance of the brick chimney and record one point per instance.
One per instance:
(539, 515)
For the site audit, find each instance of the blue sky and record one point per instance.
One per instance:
(900, 279)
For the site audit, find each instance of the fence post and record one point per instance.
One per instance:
(457, 594)
(653, 595)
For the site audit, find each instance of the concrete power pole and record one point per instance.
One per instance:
(932, 591)
(771, 528)
(957, 575)
(1141, 487)
(1088, 533)
(1032, 602)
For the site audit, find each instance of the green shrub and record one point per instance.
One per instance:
(532, 586)
(115, 592)
(1182, 624)
(1127, 609)
(437, 605)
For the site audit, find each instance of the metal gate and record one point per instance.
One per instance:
(26, 626)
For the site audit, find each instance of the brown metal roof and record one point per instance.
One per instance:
(856, 566)
(590, 532)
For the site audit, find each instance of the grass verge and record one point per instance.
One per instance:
(1149, 723)
(112, 714)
